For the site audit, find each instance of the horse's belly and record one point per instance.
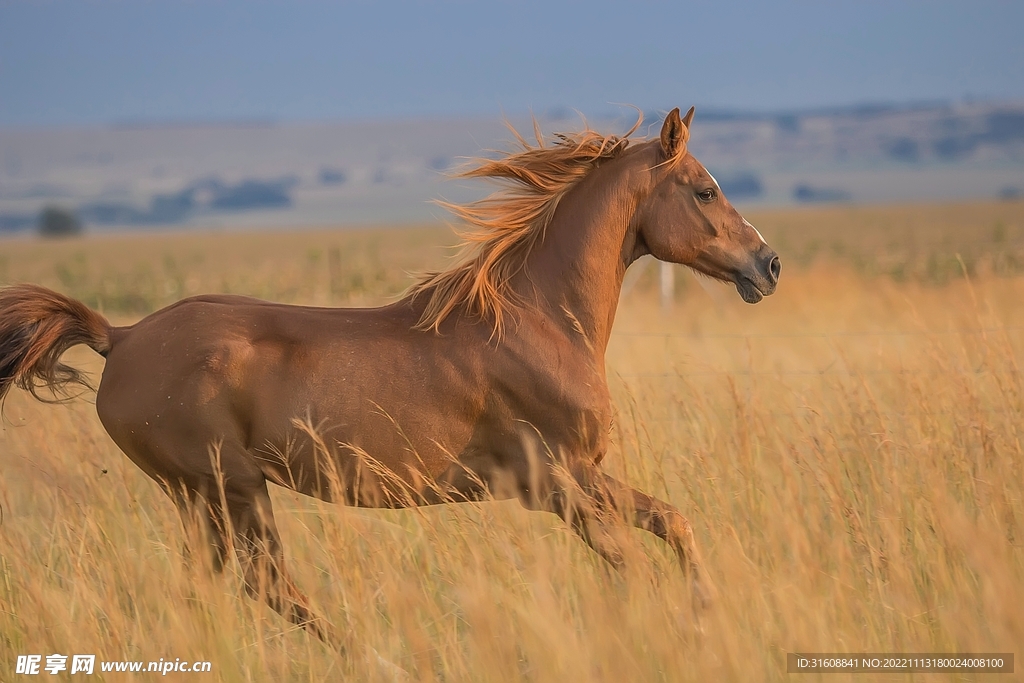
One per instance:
(365, 444)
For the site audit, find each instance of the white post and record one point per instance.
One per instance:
(668, 285)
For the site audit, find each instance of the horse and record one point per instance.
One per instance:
(487, 380)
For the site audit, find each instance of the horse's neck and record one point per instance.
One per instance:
(575, 274)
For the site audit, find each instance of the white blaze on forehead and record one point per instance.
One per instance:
(747, 223)
(712, 178)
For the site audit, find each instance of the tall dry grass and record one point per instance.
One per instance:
(849, 452)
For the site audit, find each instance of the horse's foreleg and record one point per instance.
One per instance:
(583, 517)
(666, 522)
(607, 501)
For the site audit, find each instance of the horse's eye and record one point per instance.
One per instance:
(706, 195)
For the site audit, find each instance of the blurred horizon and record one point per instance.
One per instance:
(232, 113)
(551, 115)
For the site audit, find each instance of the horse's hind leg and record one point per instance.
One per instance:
(232, 506)
(204, 526)
(258, 548)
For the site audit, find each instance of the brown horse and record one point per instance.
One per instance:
(487, 380)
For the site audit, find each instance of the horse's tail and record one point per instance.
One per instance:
(37, 325)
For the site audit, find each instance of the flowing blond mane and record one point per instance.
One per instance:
(503, 228)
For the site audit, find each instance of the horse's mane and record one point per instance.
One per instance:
(503, 228)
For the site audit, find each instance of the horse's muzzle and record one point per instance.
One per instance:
(760, 281)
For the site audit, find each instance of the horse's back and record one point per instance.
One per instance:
(234, 341)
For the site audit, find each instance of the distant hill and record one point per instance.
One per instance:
(263, 173)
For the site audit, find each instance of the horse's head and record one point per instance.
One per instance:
(686, 219)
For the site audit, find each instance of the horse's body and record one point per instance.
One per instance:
(436, 406)
(488, 380)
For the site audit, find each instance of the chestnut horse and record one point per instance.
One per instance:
(486, 381)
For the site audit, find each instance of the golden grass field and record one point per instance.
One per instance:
(849, 452)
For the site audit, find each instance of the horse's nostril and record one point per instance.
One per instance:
(774, 268)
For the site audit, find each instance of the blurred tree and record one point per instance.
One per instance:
(55, 221)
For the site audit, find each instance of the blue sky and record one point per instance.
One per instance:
(86, 63)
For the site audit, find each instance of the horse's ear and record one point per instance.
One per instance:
(688, 118)
(674, 134)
